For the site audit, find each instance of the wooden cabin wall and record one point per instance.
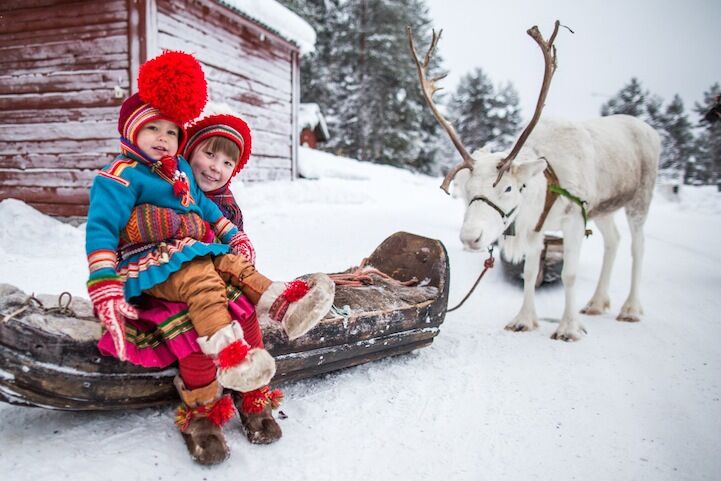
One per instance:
(60, 64)
(247, 67)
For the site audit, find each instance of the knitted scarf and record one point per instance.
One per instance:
(225, 201)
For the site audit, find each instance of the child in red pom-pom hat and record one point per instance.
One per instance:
(169, 253)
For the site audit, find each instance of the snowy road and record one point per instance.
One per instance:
(630, 401)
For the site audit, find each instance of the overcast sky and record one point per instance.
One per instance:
(671, 46)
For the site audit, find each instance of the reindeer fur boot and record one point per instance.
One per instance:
(200, 419)
(256, 414)
(298, 305)
(240, 366)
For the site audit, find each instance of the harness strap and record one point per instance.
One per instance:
(551, 195)
(553, 191)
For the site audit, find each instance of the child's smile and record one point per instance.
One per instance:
(212, 170)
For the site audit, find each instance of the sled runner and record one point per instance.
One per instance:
(49, 358)
(551, 264)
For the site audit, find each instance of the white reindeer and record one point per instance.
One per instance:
(609, 163)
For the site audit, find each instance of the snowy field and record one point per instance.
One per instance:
(628, 402)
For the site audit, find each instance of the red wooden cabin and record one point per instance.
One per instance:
(66, 66)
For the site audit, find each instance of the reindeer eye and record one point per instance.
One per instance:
(508, 189)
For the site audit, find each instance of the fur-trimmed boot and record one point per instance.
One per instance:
(200, 419)
(298, 305)
(256, 414)
(240, 366)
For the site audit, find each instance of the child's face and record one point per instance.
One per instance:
(159, 138)
(211, 170)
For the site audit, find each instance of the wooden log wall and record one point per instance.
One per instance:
(66, 66)
(248, 68)
(60, 64)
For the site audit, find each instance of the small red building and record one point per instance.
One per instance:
(313, 128)
(68, 65)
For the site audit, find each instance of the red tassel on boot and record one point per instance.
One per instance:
(222, 411)
(295, 290)
(233, 354)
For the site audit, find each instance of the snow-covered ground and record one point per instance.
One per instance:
(630, 401)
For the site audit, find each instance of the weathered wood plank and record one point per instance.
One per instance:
(81, 98)
(68, 81)
(90, 114)
(60, 160)
(86, 146)
(47, 178)
(26, 17)
(260, 174)
(61, 210)
(58, 131)
(46, 195)
(87, 60)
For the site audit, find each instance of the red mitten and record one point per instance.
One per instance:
(240, 245)
(112, 309)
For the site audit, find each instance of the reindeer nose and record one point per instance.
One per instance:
(473, 244)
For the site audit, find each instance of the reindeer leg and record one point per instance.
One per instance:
(632, 310)
(570, 329)
(527, 319)
(600, 302)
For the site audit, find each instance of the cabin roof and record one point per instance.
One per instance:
(277, 19)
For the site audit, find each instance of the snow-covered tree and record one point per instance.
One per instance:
(677, 141)
(363, 78)
(630, 100)
(707, 167)
(483, 114)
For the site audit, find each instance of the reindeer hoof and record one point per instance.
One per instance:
(628, 317)
(569, 335)
(594, 308)
(520, 326)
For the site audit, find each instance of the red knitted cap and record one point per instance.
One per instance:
(224, 125)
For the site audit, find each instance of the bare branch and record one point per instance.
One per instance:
(549, 57)
(429, 88)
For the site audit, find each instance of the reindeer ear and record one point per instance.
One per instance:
(526, 170)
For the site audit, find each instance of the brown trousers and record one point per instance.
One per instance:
(201, 282)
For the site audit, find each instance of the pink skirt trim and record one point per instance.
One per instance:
(163, 332)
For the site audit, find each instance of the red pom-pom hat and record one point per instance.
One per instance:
(231, 127)
(172, 87)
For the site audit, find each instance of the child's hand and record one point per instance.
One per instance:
(112, 309)
(240, 245)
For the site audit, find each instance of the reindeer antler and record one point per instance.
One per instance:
(549, 58)
(429, 88)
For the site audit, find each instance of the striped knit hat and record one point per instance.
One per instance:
(224, 125)
(171, 87)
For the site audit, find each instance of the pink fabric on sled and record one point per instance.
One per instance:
(155, 312)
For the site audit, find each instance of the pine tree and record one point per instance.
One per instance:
(483, 114)
(708, 145)
(630, 100)
(677, 141)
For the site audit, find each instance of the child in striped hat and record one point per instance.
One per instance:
(170, 254)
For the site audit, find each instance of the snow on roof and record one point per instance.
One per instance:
(277, 18)
(310, 116)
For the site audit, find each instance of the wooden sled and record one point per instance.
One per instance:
(49, 359)
(551, 263)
